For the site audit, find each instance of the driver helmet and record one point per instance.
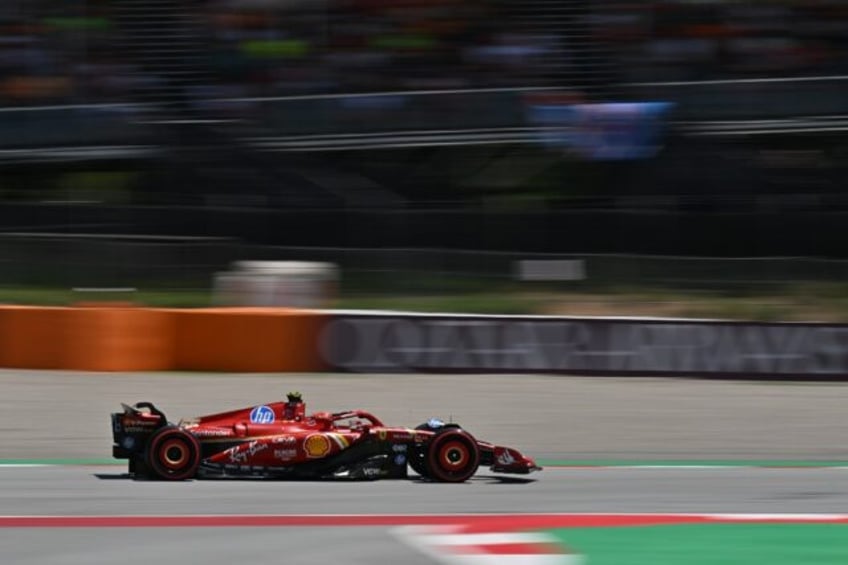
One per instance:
(294, 406)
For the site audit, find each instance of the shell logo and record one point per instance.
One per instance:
(316, 445)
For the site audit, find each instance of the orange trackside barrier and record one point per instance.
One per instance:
(127, 338)
(248, 339)
(119, 338)
(32, 337)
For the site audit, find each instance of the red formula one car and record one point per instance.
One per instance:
(279, 440)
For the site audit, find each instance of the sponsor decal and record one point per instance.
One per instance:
(240, 453)
(316, 445)
(505, 458)
(371, 472)
(207, 432)
(262, 415)
(340, 440)
(382, 435)
(284, 440)
(128, 442)
(142, 423)
(392, 343)
(137, 429)
(131, 425)
(285, 454)
(399, 448)
(255, 447)
(400, 459)
(403, 436)
(236, 456)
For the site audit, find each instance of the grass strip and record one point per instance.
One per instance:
(710, 544)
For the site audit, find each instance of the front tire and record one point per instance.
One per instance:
(173, 454)
(418, 453)
(452, 456)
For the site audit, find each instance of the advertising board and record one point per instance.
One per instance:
(411, 343)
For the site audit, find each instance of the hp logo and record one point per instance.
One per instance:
(262, 415)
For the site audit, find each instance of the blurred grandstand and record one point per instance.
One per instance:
(453, 123)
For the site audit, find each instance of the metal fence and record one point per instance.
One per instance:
(60, 261)
(56, 260)
(435, 269)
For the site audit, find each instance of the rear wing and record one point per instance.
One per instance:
(132, 426)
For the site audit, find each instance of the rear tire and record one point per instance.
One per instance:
(452, 456)
(173, 454)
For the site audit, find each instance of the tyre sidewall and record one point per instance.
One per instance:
(435, 469)
(159, 469)
(418, 453)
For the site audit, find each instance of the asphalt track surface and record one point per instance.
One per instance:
(65, 415)
(105, 491)
(84, 490)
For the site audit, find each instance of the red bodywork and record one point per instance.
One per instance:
(281, 439)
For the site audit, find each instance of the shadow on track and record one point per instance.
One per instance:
(489, 479)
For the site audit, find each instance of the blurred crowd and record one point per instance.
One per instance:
(64, 51)
(725, 39)
(375, 45)
(58, 51)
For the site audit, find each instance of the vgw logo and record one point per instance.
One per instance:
(262, 415)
